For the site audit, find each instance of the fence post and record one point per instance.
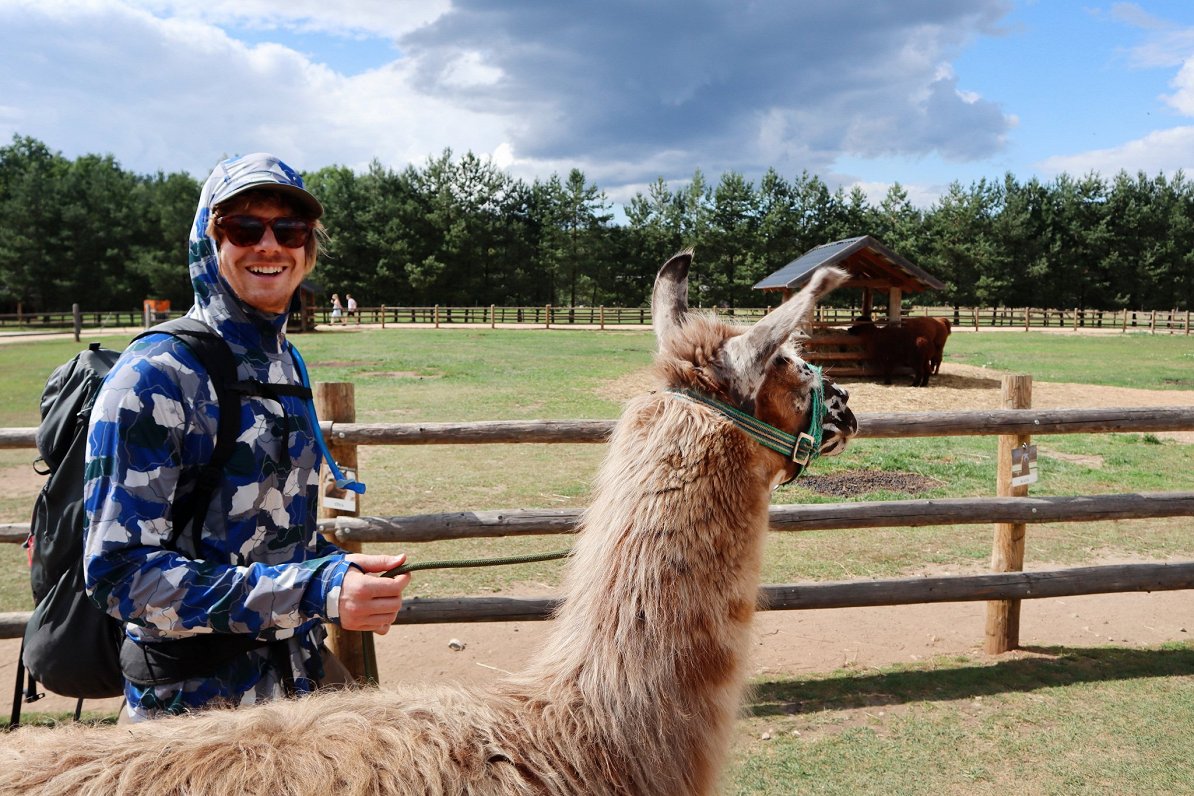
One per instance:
(78, 320)
(335, 401)
(436, 316)
(492, 316)
(1007, 551)
(383, 316)
(547, 316)
(601, 311)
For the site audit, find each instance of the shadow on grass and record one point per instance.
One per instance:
(1048, 668)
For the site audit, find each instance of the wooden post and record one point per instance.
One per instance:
(1187, 321)
(601, 311)
(78, 320)
(335, 401)
(436, 316)
(975, 311)
(1007, 551)
(492, 316)
(1152, 323)
(547, 316)
(1027, 319)
(383, 316)
(894, 297)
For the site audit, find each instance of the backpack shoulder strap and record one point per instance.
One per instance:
(217, 359)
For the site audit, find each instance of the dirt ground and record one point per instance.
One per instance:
(802, 642)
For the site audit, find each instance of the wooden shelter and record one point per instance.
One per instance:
(874, 269)
(302, 309)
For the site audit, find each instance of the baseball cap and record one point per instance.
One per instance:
(260, 170)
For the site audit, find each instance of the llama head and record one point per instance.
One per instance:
(755, 369)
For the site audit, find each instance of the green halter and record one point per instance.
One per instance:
(800, 448)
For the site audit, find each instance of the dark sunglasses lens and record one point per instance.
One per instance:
(249, 230)
(242, 230)
(291, 232)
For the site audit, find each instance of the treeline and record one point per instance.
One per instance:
(460, 231)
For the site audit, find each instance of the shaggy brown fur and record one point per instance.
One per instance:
(638, 688)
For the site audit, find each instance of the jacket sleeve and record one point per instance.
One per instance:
(147, 423)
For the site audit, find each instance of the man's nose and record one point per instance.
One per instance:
(268, 241)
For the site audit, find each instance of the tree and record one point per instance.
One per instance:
(732, 240)
(31, 177)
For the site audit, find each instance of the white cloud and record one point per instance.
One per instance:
(388, 18)
(179, 93)
(622, 95)
(1183, 98)
(1160, 151)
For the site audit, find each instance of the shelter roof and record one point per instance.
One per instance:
(869, 263)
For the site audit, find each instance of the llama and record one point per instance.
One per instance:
(638, 688)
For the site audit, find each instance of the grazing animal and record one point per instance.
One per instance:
(639, 686)
(893, 346)
(935, 330)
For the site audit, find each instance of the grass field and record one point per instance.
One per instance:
(1095, 721)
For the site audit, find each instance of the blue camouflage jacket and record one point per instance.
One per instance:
(261, 568)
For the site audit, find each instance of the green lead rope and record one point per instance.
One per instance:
(475, 562)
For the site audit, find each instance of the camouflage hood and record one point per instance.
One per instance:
(244, 327)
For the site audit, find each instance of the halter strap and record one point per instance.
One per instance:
(800, 448)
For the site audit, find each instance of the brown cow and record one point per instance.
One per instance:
(890, 347)
(935, 330)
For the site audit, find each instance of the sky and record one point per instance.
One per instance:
(865, 92)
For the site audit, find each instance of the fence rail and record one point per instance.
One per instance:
(875, 425)
(1170, 321)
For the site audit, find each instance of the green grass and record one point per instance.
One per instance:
(1064, 721)
(1143, 361)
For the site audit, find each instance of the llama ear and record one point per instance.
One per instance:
(751, 351)
(669, 301)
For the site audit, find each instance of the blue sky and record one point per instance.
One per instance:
(870, 92)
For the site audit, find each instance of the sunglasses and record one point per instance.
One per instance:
(242, 230)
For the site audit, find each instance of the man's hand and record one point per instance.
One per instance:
(369, 602)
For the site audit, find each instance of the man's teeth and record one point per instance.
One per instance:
(266, 270)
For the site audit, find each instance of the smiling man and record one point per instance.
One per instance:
(232, 614)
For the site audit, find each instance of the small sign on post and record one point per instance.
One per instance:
(1024, 465)
(340, 499)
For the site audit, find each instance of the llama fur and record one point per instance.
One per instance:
(636, 691)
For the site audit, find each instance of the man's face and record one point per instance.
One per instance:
(266, 274)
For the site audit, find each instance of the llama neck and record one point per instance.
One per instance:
(664, 579)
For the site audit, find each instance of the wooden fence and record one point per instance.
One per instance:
(1171, 321)
(1155, 321)
(1010, 513)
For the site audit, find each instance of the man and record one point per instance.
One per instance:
(241, 607)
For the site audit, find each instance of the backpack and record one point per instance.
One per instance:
(71, 646)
